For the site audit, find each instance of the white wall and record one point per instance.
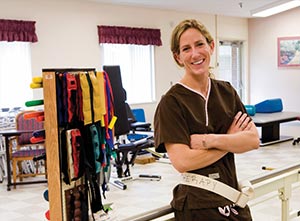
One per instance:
(68, 38)
(267, 79)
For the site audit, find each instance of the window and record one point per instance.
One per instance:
(133, 50)
(230, 65)
(137, 69)
(15, 74)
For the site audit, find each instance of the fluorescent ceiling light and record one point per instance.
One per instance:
(275, 8)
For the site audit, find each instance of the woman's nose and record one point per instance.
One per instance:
(194, 52)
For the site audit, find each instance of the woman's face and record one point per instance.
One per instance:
(194, 52)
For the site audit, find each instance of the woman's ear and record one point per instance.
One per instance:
(212, 47)
(177, 59)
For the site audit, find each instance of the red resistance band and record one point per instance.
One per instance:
(71, 95)
(76, 146)
(37, 139)
(79, 107)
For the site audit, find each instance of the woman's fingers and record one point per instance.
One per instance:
(237, 118)
(240, 122)
(244, 121)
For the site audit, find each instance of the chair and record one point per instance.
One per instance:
(139, 114)
(125, 152)
(137, 124)
(26, 150)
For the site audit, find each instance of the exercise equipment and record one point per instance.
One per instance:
(35, 140)
(34, 103)
(37, 80)
(251, 110)
(269, 106)
(35, 114)
(39, 133)
(126, 151)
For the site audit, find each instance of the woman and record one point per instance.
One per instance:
(201, 122)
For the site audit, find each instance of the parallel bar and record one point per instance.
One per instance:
(150, 215)
(291, 173)
(275, 173)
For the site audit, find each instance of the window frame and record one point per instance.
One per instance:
(151, 78)
(240, 84)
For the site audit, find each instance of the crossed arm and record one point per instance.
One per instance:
(206, 149)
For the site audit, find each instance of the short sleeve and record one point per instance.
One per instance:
(170, 125)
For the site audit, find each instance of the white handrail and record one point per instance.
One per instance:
(280, 180)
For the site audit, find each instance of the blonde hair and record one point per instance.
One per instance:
(181, 28)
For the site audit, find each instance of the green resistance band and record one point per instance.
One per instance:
(34, 103)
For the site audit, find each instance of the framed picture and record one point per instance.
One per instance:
(289, 51)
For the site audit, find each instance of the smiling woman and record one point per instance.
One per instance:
(211, 125)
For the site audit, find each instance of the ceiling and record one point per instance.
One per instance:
(236, 8)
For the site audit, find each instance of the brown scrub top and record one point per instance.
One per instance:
(183, 112)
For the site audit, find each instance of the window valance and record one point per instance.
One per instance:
(129, 35)
(17, 30)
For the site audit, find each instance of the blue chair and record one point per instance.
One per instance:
(137, 123)
(139, 114)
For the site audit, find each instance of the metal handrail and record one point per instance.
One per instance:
(153, 214)
(257, 182)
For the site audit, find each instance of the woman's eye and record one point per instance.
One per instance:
(185, 49)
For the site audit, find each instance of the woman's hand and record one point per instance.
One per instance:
(198, 141)
(240, 122)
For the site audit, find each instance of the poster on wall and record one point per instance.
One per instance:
(288, 51)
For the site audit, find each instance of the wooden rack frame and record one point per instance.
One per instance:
(52, 142)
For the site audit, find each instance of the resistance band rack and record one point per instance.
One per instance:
(55, 183)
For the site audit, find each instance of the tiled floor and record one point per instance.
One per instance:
(26, 202)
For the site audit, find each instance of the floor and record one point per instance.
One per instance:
(23, 203)
(26, 202)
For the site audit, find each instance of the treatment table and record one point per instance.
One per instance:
(270, 125)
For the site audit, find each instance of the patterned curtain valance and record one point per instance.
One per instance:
(128, 35)
(17, 30)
